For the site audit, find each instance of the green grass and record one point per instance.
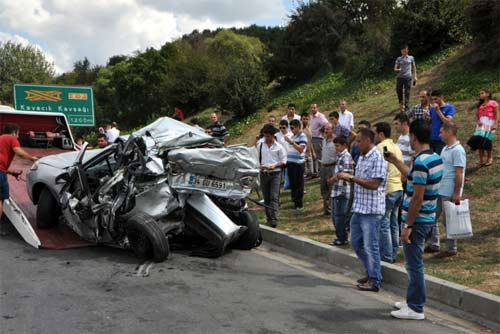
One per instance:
(329, 88)
(477, 264)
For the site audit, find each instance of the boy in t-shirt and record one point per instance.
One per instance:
(341, 191)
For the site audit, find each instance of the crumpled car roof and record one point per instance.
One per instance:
(169, 133)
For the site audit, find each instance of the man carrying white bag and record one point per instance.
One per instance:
(456, 216)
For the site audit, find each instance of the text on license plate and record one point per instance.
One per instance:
(201, 181)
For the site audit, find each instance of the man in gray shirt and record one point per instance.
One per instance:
(406, 68)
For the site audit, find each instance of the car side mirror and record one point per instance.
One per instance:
(63, 178)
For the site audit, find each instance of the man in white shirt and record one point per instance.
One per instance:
(272, 157)
(346, 119)
(291, 115)
(112, 132)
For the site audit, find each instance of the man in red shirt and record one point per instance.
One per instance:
(9, 147)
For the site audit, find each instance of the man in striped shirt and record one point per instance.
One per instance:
(419, 209)
(402, 126)
(295, 165)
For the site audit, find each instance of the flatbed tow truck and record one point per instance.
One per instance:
(41, 134)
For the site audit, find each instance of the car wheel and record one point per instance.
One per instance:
(146, 238)
(48, 210)
(252, 237)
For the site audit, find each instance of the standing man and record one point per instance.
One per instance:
(217, 130)
(402, 126)
(9, 147)
(389, 227)
(290, 115)
(310, 154)
(112, 132)
(328, 158)
(272, 157)
(406, 68)
(340, 130)
(451, 186)
(270, 120)
(423, 109)
(368, 208)
(346, 119)
(419, 207)
(297, 144)
(355, 153)
(441, 113)
(318, 121)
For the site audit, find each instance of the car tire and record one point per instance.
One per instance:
(146, 238)
(48, 210)
(252, 237)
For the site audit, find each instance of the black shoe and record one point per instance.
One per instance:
(3, 233)
(272, 224)
(430, 249)
(363, 280)
(367, 287)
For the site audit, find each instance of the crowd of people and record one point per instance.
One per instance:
(384, 194)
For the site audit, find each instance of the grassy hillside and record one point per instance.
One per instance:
(478, 263)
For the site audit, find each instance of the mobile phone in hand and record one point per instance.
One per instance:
(414, 82)
(386, 152)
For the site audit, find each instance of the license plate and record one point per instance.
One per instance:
(203, 181)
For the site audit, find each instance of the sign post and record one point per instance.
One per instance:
(77, 103)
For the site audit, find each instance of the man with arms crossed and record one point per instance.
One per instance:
(419, 208)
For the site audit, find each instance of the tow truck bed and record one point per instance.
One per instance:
(21, 211)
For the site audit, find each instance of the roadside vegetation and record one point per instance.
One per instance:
(477, 264)
(328, 51)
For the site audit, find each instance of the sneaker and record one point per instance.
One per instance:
(407, 314)
(299, 208)
(400, 305)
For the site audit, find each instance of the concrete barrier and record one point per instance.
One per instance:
(471, 301)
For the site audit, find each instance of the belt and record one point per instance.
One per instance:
(270, 171)
(328, 165)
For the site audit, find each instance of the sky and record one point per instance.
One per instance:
(69, 30)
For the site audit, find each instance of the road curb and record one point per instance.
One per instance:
(462, 298)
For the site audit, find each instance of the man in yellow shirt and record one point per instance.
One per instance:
(389, 227)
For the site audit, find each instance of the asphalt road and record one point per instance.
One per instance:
(103, 290)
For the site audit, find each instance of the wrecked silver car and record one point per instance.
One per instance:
(168, 185)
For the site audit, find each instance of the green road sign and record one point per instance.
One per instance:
(77, 103)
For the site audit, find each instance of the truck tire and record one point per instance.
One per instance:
(48, 210)
(252, 237)
(146, 238)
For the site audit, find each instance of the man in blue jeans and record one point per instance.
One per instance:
(368, 208)
(341, 191)
(418, 216)
(389, 227)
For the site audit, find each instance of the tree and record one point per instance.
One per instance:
(237, 71)
(22, 64)
(483, 18)
(428, 26)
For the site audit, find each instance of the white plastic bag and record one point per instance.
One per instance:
(458, 224)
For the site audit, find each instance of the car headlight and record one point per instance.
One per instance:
(34, 166)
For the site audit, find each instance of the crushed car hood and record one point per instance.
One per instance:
(227, 163)
(65, 160)
(169, 133)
